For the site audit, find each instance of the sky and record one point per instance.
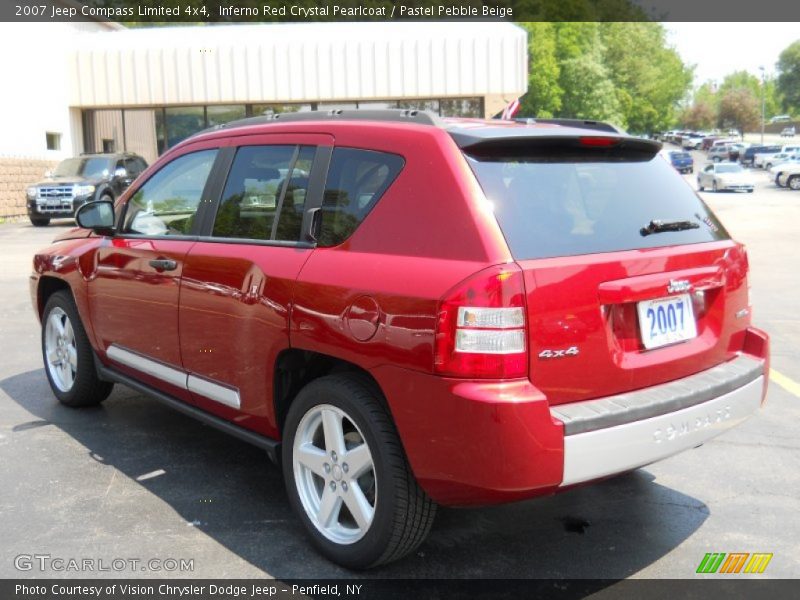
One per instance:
(721, 48)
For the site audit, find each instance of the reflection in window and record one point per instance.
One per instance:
(183, 121)
(166, 204)
(274, 109)
(431, 105)
(462, 107)
(258, 187)
(219, 115)
(356, 180)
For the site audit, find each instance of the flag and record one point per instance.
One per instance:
(510, 110)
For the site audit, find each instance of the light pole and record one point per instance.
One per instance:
(763, 101)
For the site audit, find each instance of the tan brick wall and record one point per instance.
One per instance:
(15, 175)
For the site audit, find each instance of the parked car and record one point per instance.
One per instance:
(78, 180)
(735, 150)
(725, 176)
(748, 156)
(778, 170)
(788, 132)
(770, 160)
(682, 161)
(780, 119)
(692, 142)
(789, 175)
(708, 141)
(719, 152)
(394, 328)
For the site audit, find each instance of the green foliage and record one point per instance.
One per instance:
(788, 83)
(739, 108)
(587, 70)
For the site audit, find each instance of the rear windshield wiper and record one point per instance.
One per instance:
(658, 226)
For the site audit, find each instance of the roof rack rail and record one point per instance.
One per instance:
(401, 115)
(577, 123)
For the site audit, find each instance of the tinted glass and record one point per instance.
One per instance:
(166, 204)
(84, 167)
(356, 181)
(259, 185)
(549, 209)
(290, 216)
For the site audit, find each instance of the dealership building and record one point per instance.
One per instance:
(99, 87)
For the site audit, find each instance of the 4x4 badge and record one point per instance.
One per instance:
(571, 351)
(677, 286)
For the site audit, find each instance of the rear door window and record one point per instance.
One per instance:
(572, 207)
(264, 195)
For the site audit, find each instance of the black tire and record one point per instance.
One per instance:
(403, 513)
(793, 183)
(40, 221)
(87, 389)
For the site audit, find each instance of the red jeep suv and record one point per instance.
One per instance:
(406, 311)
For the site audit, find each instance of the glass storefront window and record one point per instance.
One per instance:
(183, 121)
(462, 107)
(431, 105)
(269, 109)
(219, 115)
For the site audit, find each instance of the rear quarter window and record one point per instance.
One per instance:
(356, 181)
(549, 209)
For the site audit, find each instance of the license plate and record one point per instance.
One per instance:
(54, 202)
(666, 320)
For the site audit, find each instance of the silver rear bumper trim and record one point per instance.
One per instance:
(612, 450)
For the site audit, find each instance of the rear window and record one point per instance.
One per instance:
(679, 155)
(573, 206)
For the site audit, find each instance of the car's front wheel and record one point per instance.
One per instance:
(793, 182)
(347, 475)
(68, 357)
(40, 221)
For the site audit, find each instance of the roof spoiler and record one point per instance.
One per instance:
(576, 123)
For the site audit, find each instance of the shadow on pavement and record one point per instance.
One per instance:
(231, 492)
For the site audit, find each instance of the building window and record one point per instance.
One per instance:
(53, 140)
(183, 121)
(219, 115)
(462, 107)
(108, 146)
(256, 110)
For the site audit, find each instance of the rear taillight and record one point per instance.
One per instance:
(481, 327)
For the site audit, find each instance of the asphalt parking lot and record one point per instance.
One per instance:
(133, 479)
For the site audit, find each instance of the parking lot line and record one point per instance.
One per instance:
(785, 382)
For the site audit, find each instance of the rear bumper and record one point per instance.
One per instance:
(611, 450)
(488, 442)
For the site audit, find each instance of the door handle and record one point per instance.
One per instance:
(164, 264)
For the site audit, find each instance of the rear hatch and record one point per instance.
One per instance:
(630, 279)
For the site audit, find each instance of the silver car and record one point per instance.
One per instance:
(725, 176)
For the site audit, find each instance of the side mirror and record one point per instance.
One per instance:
(120, 172)
(97, 216)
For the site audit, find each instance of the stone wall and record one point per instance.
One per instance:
(15, 175)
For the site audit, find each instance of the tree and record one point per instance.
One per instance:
(789, 77)
(702, 114)
(544, 92)
(740, 108)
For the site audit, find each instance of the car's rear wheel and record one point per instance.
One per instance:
(68, 357)
(793, 183)
(40, 221)
(347, 476)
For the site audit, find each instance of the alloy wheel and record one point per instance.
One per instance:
(60, 349)
(334, 474)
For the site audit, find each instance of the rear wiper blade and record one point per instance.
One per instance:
(657, 226)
